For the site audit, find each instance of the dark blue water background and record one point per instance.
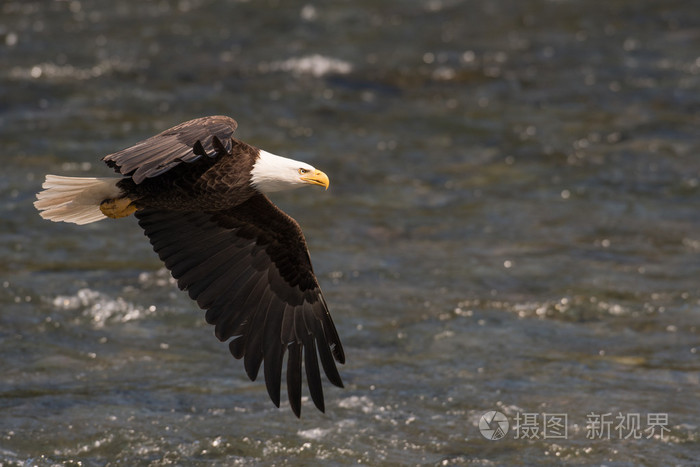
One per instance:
(513, 224)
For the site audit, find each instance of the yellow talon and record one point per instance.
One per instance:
(117, 208)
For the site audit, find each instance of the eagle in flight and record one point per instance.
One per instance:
(200, 196)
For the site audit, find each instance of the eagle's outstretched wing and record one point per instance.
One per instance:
(249, 268)
(186, 142)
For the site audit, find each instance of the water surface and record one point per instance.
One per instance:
(512, 225)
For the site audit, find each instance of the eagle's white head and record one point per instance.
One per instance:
(275, 173)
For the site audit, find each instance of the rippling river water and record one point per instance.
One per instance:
(513, 225)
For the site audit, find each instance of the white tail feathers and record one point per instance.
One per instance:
(75, 199)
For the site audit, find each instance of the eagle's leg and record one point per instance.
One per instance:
(117, 207)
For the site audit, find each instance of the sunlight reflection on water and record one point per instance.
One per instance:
(512, 225)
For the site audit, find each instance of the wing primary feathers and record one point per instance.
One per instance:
(327, 360)
(314, 327)
(329, 330)
(287, 328)
(218, 146)
(248, 268)
(274, 350)
(198, 149)
(237, 347)
(313, 376)
(254, 334)
(294, 377)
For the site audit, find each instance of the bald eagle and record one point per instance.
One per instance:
(199, 195)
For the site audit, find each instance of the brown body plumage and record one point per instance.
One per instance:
(208, 183)
(215, 176)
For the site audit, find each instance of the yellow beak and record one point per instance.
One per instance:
(317, 178)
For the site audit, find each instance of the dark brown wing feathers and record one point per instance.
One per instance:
(249, 268)
(186, 142)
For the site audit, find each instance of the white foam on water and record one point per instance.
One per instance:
(159, 278)
(314, 433)
(315, 65)
(363, 403)
(101, 308)
(47, 70)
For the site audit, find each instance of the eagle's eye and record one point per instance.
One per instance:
(303, 171)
